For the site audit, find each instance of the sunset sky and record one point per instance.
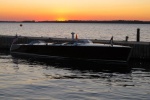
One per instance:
(41, 10)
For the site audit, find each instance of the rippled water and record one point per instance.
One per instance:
(22, 79)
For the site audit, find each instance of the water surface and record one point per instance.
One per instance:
(84, 30)
(22, 79)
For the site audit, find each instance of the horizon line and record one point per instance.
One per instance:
(80, 21)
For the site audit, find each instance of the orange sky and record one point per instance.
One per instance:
(38, 10)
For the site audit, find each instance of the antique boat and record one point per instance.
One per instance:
(79, 49)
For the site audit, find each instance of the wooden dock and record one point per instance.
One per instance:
(141, 50)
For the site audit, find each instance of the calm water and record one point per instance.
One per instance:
(22, 79)
(84, 30)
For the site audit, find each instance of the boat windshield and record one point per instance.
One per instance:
(36, 42)
(84, 41)
(78, 42)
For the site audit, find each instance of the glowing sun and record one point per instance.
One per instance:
(61, 19)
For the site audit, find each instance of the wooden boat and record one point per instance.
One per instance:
(80, 49)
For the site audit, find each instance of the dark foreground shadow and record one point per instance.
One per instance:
(139, 64)
(4, 52)
(82, 65)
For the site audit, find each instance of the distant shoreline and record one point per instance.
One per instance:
(81, 21)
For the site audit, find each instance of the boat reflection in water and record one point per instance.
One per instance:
(71, 64)
(139, 64)
(85, 66)
(81, 50)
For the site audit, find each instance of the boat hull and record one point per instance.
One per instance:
(93, 53)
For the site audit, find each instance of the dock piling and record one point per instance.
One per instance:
(138, 35)
(127, 38)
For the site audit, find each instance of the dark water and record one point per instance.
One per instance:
(22, 79)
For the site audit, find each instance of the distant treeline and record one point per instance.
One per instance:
(82, 21)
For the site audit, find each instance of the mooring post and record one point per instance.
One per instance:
(72, 35)
(126, 38)
(138, 35)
